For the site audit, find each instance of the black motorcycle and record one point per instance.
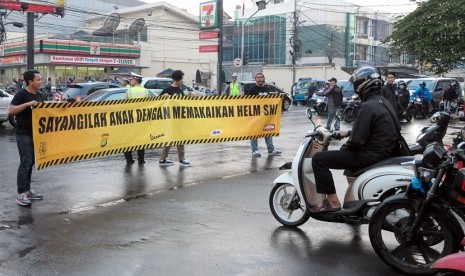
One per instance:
(410, 231)
(408, 114)
(431, 134)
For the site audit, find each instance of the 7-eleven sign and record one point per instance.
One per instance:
(209, 12)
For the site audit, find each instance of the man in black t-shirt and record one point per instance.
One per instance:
(21, 106)
(261, 89)
(174, 90)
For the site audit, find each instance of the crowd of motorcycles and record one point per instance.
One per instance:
(350, 106)
(412, 204)
(47, 94)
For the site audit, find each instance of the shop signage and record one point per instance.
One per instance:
(209, 15)
(95, 48)
(92, 60)
(208, 48)
(12, 60)
(208, 35)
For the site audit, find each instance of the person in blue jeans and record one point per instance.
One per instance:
(261, 88)
(334, 93)
(21, 106)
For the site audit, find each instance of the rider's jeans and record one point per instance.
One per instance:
(446, 105)
(332, 111)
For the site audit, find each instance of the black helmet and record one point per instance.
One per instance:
(441, 118)
(365, 78)
(402, 83)
(422, 83)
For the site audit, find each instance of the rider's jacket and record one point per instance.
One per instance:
(423, 93)
(374, 131)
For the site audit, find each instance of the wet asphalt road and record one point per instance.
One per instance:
(101, 217)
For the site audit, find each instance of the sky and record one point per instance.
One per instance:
(395, 6)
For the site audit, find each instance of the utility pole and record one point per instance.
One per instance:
(295, 40)
(30, 40)
(220, 48)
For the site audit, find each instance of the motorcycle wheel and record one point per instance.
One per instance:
(309, 113)
(431, 241)
(320, 108)
(308, 102)
(286, 104)
(289, 212)
(349, 116)
(408, 116)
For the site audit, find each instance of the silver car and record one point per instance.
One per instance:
(5, 100)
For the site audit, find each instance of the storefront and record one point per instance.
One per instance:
(64, 59)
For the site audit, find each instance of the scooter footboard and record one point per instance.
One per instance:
(379, 183)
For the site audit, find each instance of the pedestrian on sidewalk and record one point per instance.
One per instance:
(174, 90)
(261, 88)
(21, 106)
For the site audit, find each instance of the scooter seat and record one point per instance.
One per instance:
(385, 162)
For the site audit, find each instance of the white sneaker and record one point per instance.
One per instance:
(256, 154)
(275, 152)
(185, 163)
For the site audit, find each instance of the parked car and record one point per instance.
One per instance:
(155, 83)
(301, 89)
(109, 94)
(436, 86)
(78, 91)
(5, 100)
(287, 100)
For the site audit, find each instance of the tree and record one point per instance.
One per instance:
(434, 33)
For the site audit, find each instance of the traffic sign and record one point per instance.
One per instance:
(238, 62)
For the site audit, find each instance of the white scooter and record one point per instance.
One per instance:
(293, 197)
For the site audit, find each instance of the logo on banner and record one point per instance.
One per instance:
(94, 48)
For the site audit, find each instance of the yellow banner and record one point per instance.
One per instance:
(67, 132)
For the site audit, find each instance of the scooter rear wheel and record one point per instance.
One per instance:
(288, 211)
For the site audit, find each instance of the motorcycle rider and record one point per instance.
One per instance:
(312, 89)
(372, 138)
(404, 95)
(424, 94)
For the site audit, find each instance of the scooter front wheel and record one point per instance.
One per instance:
(388, 230)
(286, 208)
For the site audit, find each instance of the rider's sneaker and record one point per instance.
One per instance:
(31, 194)
(256, 154)
(22, 200)
(275, 152)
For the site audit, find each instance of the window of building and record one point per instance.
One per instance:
(361, 52)
(362, 26)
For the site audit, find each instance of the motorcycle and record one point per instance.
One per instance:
(451, 265)
(410, 231)
(351, 110)
(293, 197)
(433, 133)
(408, 114)
(321, 104)
(419, 108)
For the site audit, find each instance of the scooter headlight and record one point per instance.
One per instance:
(425, 175)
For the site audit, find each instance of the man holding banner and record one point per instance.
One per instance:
(21, 106)
(174, 90)
(261, 89)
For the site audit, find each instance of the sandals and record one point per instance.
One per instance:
(326, 207)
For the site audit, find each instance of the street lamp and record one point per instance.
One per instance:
(261, 4)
